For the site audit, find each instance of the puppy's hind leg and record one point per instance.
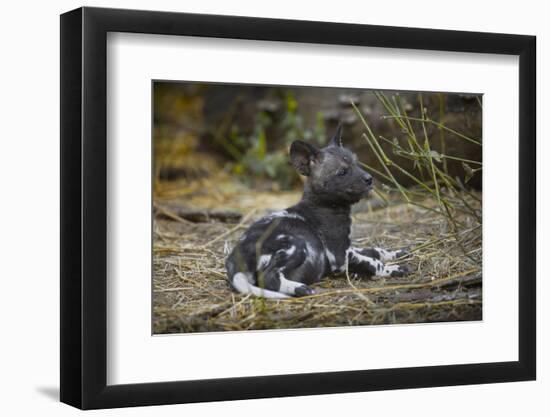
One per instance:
(276, 280)
(241, 283)
(294, 288)
(274, 274)
(270, 278)
(242, 280)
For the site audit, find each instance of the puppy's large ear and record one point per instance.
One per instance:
(337, 138)
(302, 155)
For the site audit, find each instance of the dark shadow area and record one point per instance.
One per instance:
(50, 392)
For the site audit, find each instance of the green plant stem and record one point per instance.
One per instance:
(448, 129)
(441, 131)
(456, 158)
(427, 146)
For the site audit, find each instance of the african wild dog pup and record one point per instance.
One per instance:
(284, 252)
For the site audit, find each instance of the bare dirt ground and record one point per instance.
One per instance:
(194, 229)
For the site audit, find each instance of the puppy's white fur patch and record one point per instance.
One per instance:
(241, 282)
(331, 260)
(288, 286)
(290, 250)
(263, 261)
(283, 213)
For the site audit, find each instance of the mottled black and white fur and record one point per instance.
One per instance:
(283, 253)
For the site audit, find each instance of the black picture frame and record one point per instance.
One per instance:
(84, 207)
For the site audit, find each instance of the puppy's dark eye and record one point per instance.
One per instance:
(341, 172)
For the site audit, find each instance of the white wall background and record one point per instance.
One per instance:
(29, 225)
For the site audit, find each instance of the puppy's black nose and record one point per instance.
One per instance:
(367, 178)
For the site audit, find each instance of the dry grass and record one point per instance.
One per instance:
(191, 294)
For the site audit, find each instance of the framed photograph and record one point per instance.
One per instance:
(258, 208)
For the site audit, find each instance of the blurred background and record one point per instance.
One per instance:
(244, 131)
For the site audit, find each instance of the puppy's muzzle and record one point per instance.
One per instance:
(367, 179)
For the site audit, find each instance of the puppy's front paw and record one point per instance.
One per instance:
(400, 271)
